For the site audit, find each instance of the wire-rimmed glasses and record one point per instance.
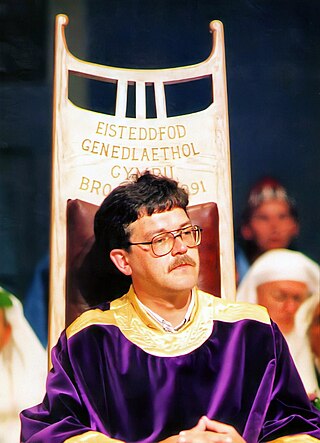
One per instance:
(163, 243)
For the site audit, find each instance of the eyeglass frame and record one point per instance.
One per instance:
(176, 233)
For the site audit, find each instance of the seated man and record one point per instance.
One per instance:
(167, 362)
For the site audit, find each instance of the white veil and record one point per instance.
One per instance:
(284, 264)
(23, 369)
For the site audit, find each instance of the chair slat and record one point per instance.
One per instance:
(160, 99)
(121, 102)
(140, 100)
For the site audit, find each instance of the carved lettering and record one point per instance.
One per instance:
(112, 130)
(98, 187)
(145, 154)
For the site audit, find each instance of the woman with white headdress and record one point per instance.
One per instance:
(23, 367)
(287, 283)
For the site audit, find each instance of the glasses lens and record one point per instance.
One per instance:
(191, 236)
(162, 244)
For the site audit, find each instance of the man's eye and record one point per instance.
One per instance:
(187, 233)
(284, 217)
(262, 218)
(160, 240)
(297, 299)
(279, 297)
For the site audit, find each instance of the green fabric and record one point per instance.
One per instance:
(5, 300)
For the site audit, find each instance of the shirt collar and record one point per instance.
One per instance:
(166, 325)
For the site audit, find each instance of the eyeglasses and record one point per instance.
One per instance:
(162, 244)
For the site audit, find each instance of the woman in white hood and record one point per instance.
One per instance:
(23, 367)
(287, 283)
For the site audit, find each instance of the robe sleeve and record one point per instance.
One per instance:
(290, 409)
(61, 417)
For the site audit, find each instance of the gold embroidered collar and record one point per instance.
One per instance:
(139, 328)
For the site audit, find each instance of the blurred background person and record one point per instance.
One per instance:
(314, 336)
(23, 367)
(286, 282)
(308, 316)
(36, 300)
(269, 221)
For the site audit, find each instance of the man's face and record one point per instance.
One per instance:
(271, 226)
(282, 298)
(171, 274)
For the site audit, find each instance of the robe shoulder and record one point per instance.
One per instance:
(229, 311)
(216, 309)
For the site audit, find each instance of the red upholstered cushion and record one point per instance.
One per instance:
(92, 279)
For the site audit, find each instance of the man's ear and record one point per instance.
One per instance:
(119, 258)
(246, 232)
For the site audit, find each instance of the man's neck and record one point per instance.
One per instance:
(173, 309)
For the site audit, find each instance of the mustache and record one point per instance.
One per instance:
(182, 260)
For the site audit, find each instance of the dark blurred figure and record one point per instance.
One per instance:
(35, 302)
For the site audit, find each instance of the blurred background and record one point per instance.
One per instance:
(273, 75)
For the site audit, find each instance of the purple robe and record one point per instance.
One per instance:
(117, 375)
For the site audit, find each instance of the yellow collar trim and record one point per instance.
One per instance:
(92, 437)
(299, 438)
(146, 333)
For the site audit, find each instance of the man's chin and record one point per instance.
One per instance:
(184, 282)
(275, 244)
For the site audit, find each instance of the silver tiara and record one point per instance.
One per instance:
(268, 193)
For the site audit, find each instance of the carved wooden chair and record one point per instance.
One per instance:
(94, 152)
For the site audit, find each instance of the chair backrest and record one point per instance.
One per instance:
(94, 152)
(92, 278)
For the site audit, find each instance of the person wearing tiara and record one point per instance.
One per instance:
(269, 221)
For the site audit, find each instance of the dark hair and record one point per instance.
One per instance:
(145, 194)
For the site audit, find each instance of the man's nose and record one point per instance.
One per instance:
(274, 222)
(291, 306)
(179, 246)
